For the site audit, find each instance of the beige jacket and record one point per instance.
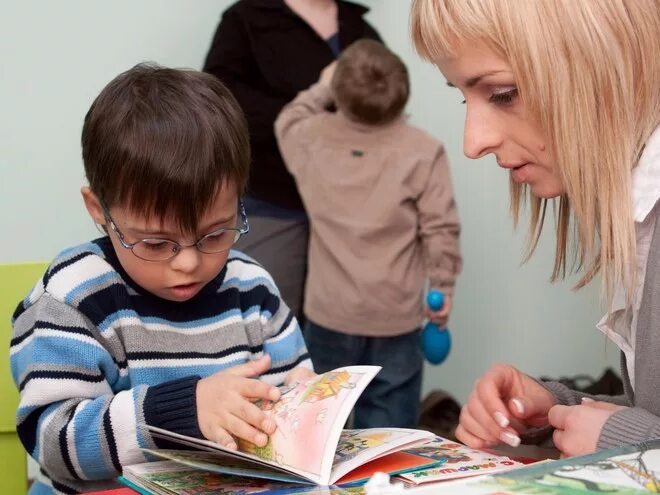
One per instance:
(382, 213)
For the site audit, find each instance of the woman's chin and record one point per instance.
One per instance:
(545, 191)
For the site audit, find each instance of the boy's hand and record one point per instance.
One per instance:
(298, 374)
(325, 79)
(439, 317)
(225, 404)
(577, 428)
(503, 404)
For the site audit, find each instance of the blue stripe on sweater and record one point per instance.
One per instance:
(88, 426)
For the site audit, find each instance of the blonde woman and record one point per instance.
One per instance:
(566, 95)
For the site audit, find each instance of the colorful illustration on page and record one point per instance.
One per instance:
(638, 472)
(458, 461)
(448, 452)
(352, 442)
(304, 416)
(197, 482)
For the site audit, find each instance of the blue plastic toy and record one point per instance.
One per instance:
(436, 342)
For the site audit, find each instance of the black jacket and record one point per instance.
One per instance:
(266, 54)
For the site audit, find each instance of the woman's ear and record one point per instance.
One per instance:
(93, 205)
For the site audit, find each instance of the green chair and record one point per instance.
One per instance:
(15, 282)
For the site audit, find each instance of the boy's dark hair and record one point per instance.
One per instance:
(370, 83)
(160, 142)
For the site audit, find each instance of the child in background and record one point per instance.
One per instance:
(383, 218)
(158, 322)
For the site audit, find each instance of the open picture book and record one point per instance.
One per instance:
(309, 444)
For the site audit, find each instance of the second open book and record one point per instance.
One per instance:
(310, 444)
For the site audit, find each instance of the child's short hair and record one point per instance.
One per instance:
(160, 141)
(370, 83)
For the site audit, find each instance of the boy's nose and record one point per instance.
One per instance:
(187, 260)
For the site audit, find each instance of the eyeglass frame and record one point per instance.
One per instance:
(179, 247)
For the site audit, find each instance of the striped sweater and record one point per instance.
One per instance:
(94, 356)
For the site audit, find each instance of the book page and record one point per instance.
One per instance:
(357, 447)
(218, 463)
(310, 417)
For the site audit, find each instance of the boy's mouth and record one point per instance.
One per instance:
(185, 291)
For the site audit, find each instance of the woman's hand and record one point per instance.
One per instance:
(577, 428)
(503, 404)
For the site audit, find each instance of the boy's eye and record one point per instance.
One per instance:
(503, 97)
(155, 244)
(216, 238)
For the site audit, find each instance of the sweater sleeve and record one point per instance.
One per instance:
(77, 415)
(439, 227)
(567, 397)
(629, 425)
(292, 126)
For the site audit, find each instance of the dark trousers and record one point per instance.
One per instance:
(392, 398)
(280, 245)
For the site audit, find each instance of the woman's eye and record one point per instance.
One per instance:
(503, 97)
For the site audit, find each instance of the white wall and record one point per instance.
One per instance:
(56, 56)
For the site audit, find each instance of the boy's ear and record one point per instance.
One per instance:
(93, 205)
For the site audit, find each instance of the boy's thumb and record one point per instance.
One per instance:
(252, 368)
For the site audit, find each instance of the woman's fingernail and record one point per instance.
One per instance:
(231, 445)
(587, 400)
(517, 403)
(501, 419)
(268, 426)
(510, 439)
(274, 394)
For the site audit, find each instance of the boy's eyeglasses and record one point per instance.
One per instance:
(164, 249)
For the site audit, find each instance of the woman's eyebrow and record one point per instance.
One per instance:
(473, 81)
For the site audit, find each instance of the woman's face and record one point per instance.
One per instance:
(496, 121)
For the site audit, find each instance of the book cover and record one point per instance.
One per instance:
(458, 461)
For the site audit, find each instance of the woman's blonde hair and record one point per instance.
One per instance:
(588, 72)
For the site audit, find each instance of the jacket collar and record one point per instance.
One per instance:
(342, 6)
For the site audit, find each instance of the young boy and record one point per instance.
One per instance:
(383, 218)
(158, 322)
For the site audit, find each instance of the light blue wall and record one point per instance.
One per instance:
(56, 56)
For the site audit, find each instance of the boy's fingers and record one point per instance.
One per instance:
(255, 417)
(254, 389)
(253, 368)
(222, 437)
(241, 429)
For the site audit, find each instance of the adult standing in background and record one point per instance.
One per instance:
(266, 51)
